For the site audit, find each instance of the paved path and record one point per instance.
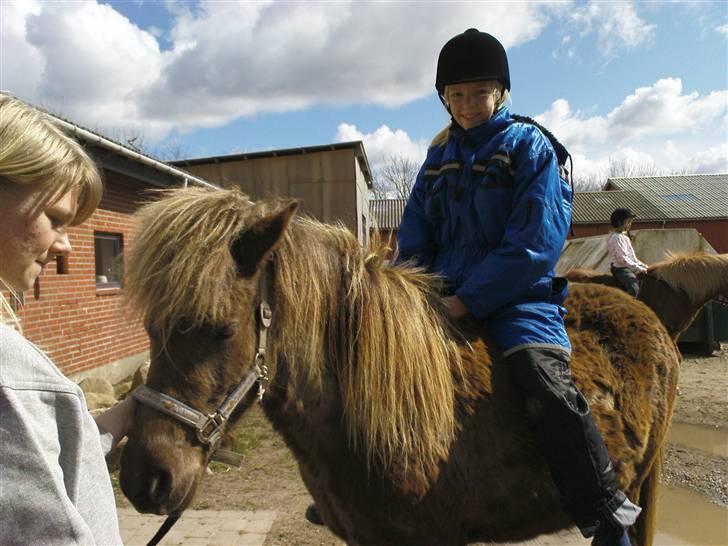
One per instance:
(199, 528)
(241, 528)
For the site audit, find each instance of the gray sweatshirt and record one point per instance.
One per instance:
(54, 483)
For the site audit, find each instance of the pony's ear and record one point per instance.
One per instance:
(257, 241)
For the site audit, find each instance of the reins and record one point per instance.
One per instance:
(209, 428)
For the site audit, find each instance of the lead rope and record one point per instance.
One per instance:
(164, 529)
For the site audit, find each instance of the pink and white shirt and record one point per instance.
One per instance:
(622, 254)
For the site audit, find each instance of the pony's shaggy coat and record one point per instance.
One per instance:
(406, 428)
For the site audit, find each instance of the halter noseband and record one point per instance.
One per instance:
(209, 428)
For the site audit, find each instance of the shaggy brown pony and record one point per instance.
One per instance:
(405, 427)
(676, 288)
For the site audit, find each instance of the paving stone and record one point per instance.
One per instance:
(199, 527)
(251, 539)
(259, 526)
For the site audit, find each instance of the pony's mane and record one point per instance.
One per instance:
(383, 329)
(699, 275)
(339, 309)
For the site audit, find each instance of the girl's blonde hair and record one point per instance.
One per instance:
(36, 154)
(442, 137)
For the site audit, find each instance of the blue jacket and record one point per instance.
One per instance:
(490, 213)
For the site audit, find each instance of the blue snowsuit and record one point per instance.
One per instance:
(490, 213)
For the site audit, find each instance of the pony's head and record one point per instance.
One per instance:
(192, 277)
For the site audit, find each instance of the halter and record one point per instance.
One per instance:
(209, 428)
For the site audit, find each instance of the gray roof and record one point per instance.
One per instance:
(387, 213)
(595, 207)
(680, 197)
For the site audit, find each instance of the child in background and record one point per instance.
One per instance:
(624, 263)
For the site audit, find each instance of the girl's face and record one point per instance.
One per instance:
(472, 103)
(32, 232)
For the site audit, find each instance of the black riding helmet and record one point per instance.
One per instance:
(472, 56)
(619, 216)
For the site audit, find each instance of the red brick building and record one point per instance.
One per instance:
(74, 313)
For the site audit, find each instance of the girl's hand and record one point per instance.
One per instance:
(118, 419)
(455, 307)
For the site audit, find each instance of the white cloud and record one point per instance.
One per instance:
(383, 144)
(655, 111)
(616, 24)
(21, 63)
(230, 59)
(722, 29)
(663, 109)
(657, 128)
(713, 160)
(571, 128)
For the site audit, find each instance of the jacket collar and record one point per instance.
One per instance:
(472, 137)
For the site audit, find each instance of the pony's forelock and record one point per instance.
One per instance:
(180, 267)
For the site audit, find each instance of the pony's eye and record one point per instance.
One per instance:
(225, 332)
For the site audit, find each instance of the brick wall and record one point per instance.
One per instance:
(79, 326)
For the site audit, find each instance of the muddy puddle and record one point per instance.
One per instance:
(686, 517)
(711, 440)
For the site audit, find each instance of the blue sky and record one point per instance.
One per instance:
(643, 85)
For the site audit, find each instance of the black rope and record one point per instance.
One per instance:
(166, 526)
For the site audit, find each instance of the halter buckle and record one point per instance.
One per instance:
(210, 430)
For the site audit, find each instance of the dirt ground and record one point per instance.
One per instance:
(269, 478)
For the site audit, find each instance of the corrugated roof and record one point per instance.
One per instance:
(597, 206)
(94, 138)
(681, 197)
(387, 213)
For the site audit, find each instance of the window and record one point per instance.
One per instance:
(107, 249)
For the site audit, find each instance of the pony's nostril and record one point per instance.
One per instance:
(160, 485)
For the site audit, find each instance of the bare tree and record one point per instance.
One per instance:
(394, 180)
(621, 167)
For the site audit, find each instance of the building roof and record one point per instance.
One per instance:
(356, 145)
(386, 213)
(680, 197)
(118, 157)
(595, 207)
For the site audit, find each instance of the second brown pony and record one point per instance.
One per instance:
(405, 427)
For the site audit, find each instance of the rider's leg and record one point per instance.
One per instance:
(627, 279)
(571, 444)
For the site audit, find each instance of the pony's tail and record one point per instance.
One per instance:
(642, 533)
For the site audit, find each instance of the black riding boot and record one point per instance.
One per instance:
(570, 442)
